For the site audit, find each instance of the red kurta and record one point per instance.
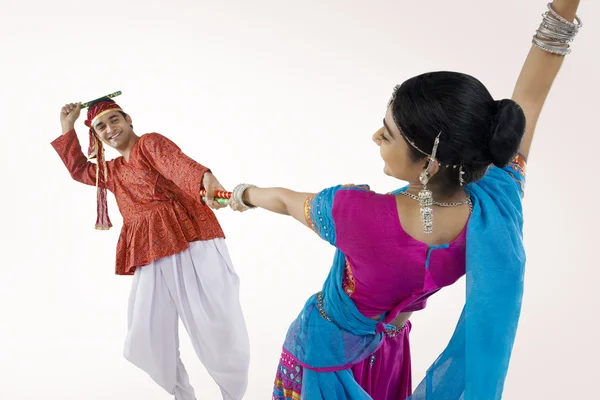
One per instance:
(157, 192)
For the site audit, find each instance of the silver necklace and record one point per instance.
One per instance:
(441, 204)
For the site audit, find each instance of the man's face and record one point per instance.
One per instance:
(114, 129)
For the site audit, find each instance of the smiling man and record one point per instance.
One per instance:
(172, 244)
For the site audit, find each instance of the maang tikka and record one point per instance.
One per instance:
(425, 195)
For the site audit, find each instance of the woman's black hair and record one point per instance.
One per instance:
(476, 130)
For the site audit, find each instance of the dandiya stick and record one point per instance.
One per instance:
(221, 196)
(110, 96)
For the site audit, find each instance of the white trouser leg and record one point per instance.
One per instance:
(152, 341)
(205, 287)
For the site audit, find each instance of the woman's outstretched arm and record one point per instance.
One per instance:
(538, 74)
(277, 200)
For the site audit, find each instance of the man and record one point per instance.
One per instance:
(172, 244)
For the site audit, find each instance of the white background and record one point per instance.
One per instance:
(275, 93)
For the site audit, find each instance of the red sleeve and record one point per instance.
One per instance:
(69, 150)
(167, 159)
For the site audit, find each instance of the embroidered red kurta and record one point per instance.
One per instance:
(157, 192)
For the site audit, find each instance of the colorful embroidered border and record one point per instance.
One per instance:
(288, 381)
(307, 211)
(519, 165)
(349, 283)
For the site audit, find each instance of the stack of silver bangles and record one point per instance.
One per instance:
(238, 193)
(555, 33)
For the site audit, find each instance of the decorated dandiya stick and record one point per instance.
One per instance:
(110, 96)
(221, 196)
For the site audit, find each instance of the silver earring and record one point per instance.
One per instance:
(426, 201)
(461, 172)
(425, 195)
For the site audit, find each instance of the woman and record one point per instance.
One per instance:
(463, 155)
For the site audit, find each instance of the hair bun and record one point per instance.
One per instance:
(506, 131)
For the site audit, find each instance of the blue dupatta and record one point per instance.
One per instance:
(474, 364)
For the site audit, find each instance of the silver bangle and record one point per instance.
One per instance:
(564, 21)
(557, 27)
(238, 193)
(544, 34)
(555, 33)
(549, 48)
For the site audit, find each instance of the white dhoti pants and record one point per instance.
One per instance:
(200, 286)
